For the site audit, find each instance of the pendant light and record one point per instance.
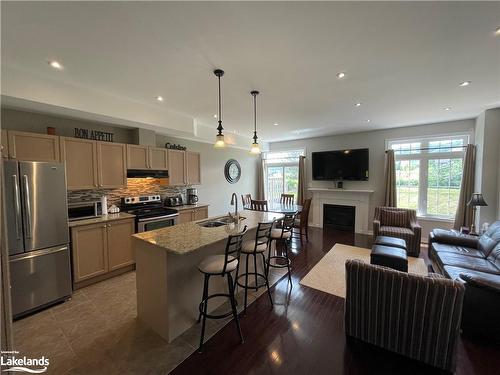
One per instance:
(255, 149)
(219, 139)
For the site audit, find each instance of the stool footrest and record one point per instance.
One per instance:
(221, 316)
(251, 274)
(288, 261)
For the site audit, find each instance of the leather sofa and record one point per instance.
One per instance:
(475, 261)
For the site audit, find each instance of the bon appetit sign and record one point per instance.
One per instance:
(95, 135)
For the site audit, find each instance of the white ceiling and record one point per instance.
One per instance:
(404, 62)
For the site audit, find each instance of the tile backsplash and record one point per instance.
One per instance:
(135, 186)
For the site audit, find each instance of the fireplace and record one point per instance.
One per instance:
(339, 216)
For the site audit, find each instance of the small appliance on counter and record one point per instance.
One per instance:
(174, 201)
(149, 212)
(192, 196)
(84, 210)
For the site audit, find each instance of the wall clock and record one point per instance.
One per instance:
(232, 171)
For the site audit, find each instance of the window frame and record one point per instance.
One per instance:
(424, 157)
(282, 164)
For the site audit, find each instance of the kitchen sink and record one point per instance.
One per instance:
(218, 222)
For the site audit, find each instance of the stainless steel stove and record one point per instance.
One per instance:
(149, 212)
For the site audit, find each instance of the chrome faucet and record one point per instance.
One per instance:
(234, 202)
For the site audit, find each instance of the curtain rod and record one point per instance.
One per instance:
(430, 148)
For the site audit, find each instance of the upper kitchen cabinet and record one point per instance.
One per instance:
(5, 147)
(33, 146)
(193, 169)
(80, 156)
(111, 165)
(137, 157)
(146, 157)
(177, 167)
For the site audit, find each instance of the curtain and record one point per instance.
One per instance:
(301, 189)
(463, 216)
(261, 187)
(390, 179)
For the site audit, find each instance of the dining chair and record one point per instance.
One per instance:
(301, 221)
(287, 198)
(246, 199)
(258, 205)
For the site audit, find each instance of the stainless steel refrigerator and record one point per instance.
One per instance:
(36, 213)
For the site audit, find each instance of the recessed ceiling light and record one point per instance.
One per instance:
(497, 31)
(341, 75)
(55, 64)
(159, 98)
(465, 83)
(447, 108)
(215, 116)
(368, 120)
(275, 124)
(358, 104)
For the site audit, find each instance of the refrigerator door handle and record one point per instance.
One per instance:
(17, 205)
(27, 204)
(37, 253)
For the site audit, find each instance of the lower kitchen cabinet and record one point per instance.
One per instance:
(193, 214)
(100, 249)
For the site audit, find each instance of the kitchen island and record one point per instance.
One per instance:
(169, 285)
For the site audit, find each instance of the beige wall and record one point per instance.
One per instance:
(375, 141)
(214, 188)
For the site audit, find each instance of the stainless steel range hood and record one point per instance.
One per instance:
(146, 173)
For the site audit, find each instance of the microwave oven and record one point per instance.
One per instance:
(84, 210)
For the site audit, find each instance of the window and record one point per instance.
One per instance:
(429, 173)
(281, 170)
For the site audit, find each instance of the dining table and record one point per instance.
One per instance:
(280, 208)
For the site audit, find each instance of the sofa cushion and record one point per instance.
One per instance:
(472, 263)
(454, 238)
(494, 256)
(466, 251)
(454, 273)
(490, 238)
(393, 218)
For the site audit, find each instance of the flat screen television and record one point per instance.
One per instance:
(349, 165)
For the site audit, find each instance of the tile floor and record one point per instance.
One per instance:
(97, 332)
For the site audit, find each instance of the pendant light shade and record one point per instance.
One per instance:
(255, 149)
(219, 139)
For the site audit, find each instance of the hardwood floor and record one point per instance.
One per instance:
(303, 333)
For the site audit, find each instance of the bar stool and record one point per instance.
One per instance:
(254, 248)
(283, 234)
(221, 265)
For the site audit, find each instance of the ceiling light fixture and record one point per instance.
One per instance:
(465, 83)
(275, 124)
(497, 31)
(358, 104)
(55, 64)
(341, 75)
(219, 139)
(368, 120)
(215, 116)
(447, 108)
(255, 149)
(159, 98)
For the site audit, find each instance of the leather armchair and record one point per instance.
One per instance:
(401, 223)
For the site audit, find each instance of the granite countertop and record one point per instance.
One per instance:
(187, 237)
(101, 219)
(189, 206)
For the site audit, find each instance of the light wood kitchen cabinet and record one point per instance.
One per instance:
(120, 250)
(33, 146)
(137, 157)
(90, 251)
(100, 250)
(111, 165)
(158, 158)
(80, 156)
(193, 169)
(193, 214)
(176, 167)
(147, 157)
(185, 216)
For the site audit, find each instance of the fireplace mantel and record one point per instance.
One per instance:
(348, 197)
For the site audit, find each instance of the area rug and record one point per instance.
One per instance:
(328, 275)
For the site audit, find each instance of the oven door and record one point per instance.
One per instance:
(152, 223)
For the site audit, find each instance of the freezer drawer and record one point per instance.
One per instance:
(39, 278)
